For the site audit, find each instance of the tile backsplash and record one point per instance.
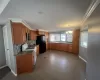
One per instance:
(17, 48)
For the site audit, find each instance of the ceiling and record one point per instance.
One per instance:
(50, 15)
(94, 19)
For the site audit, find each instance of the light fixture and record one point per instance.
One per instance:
(64, 25)
(69, 32)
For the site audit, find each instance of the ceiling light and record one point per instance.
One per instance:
(70, 31)
(64, 25)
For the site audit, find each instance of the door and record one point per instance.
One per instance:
(6, 44)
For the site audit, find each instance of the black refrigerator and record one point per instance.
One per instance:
(41, 41)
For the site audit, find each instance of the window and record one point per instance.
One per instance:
(63, 37)
(69, 37)
(54, 37)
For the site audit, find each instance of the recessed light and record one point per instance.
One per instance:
(40, 12)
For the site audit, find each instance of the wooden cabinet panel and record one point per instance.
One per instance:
(61, 47)
(18, 33)
(70, 48)
(24, 63)
(57, 46)
(46, 45)
(66, 49)
(24, 39)
(76, 36)
(33, 35)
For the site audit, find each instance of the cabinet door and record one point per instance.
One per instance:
(57, 46)
(24, 39)
(24, 63)
(17, 33)
(70, 48)
(33, 35)
(46, 45)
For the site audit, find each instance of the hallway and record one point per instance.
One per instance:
(54, 65)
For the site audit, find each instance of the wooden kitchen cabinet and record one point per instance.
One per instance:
(76, 38)
(33, 35)
(46, 45)
(70, 49)
(61, 47)
(24, 63)
(18, 33)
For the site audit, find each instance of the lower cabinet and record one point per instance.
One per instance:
(60, 46)
(70, 48)
(24, 63)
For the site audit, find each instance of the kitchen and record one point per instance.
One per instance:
(20, 46)
(25, 46)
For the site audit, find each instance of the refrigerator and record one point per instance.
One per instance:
(41, 41)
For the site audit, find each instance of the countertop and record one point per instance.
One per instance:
(24, 52)
(62, 42)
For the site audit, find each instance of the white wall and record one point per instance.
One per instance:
(11, 48)
(83, 43)
(2, 50)
(93, 50)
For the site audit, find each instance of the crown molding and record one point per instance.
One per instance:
(42, 30)
(23, 22)
(90, 10)
(18, 20)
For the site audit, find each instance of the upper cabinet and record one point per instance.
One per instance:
(19, 32)
(41, 33)
(33, 35)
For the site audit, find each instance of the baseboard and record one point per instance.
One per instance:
(13, 72)
(82, 59)
(3, 66)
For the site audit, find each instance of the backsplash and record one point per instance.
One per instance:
(17, 48)
(31, 42)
